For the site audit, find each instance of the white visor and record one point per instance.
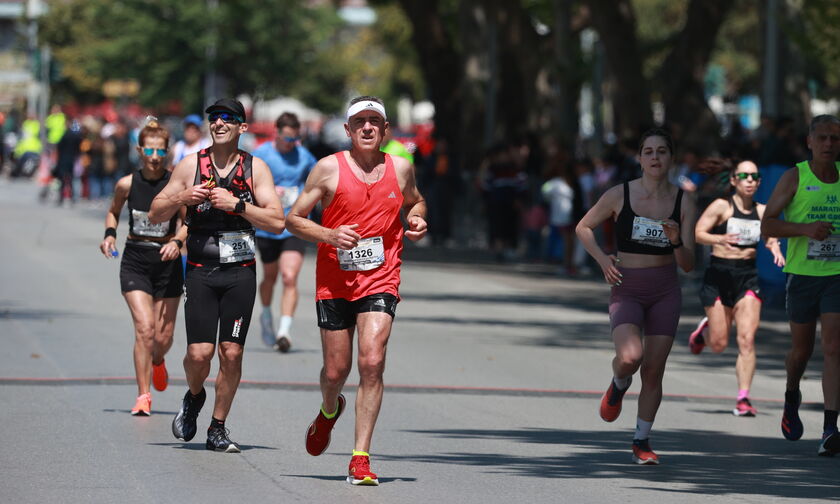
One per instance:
(366, 105)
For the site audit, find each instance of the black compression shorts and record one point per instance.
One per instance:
(219, 298)
(141, 269)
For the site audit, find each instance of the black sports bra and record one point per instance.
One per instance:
(742, 224)
(641, 235)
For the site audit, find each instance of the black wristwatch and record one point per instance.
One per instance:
(240, 207)
(678, 244)
(178, 242)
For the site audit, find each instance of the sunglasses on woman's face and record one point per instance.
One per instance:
(744, 176)
(226, 117)
(148, 151)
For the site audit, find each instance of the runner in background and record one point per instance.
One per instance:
(151, 278)
(290, 164)
(730, 291)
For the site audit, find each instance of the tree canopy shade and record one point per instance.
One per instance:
(278, 47)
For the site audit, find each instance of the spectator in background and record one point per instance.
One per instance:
(56, 124)
(121, 147)
(440, 185)
(503, 186)
(193, 141)
(776, 148)
(394, 147)
(28, 149)
(99, 182)
(605, 177)
(534, 220)
(68, 150)
(684, 175)
(584, 199)
(559, 193)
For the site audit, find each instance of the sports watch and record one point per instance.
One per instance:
(240, 207)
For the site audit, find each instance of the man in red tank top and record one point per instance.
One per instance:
(362, 192)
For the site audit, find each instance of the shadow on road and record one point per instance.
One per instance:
(200, 446)
(12, 311)
(713, 463)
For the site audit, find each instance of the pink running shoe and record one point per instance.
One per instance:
(696, 341)
(744, 408)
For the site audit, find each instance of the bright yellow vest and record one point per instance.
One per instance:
(814, 201)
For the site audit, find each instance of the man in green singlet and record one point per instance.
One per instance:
(809, 196)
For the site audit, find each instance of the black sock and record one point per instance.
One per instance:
(199, 395)
(792, 396)
(215, 423)
(829, 421)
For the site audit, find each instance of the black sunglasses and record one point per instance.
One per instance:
(226, 117)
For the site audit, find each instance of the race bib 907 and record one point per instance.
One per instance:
(649, 232)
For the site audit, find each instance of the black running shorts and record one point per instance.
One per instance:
(808, 297)
(337, 314)
(270, 249)
(219, 298)
(729, 280)
(141, 269)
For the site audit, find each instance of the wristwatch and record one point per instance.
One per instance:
(240, 207)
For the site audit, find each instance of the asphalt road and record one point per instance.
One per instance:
(494, 377)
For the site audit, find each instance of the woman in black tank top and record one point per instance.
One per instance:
(151, 275)
(654, 231)
(730, 292)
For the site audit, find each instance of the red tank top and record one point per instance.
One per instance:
(376, 209)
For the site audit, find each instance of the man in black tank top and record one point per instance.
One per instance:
(227, 193)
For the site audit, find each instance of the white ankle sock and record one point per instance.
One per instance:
(285, 326)
(623, 383)
(642, 429)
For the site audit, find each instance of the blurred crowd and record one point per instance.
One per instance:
(532, 201)
(529, 197)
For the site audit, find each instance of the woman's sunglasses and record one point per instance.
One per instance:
(744, 176)
(148, 151)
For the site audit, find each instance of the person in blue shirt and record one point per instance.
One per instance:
(290, 164)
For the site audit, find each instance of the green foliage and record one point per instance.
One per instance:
(262, 48)
(738, 48)
(820, 42)
(658, 22)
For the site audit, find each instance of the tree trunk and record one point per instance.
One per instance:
(440, 63)
(681, 76)
(615, 22)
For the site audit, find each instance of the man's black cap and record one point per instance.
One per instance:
(228, 105)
